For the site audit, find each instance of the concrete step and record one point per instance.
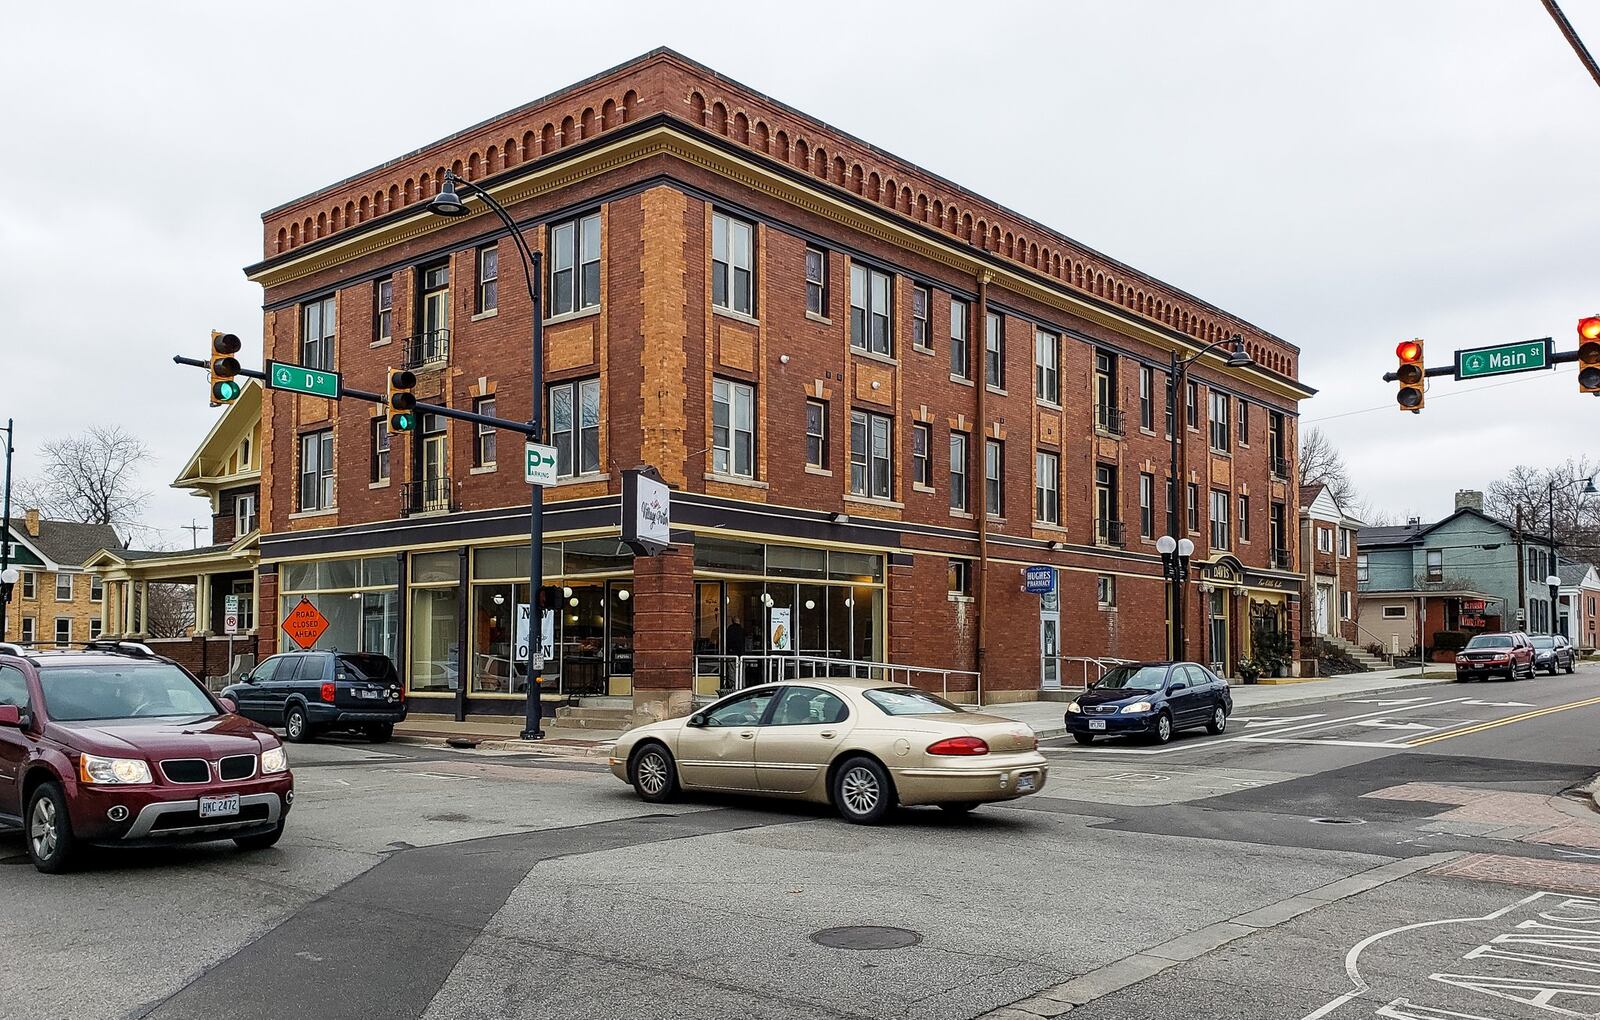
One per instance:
(570, 722)
(624, 701)
(564, 728)
(620, 716)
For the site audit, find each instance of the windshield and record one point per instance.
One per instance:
(1490, 641)
(121, 690)
(908, 701)
(1544, 642)
(1133, 678)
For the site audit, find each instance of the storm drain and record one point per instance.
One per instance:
(1338, 821)
(866, 936)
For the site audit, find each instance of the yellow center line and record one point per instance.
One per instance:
(1508, 720)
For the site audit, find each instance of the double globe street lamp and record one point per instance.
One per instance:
(1175, 553)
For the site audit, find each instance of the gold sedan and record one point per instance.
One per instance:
(863, 746)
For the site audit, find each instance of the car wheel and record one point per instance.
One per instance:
(1083, 738)
(261, 841)
(51, 845)
(1219, 721)
(295, 725)
(1572, 667)
(960, 807)
(380, 733)
(655, 774)
(1162, 733)
(862, 792)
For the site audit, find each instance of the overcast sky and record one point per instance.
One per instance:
(1345, 174)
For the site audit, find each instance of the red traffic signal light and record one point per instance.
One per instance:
(1409, 375)
(402, 402)
(224, 366)
(1589, 354)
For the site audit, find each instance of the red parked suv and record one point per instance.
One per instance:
(116, 746)
(1510, 655)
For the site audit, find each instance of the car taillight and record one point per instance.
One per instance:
(327, 693)
(959, 745)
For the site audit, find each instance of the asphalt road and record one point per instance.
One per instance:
(1339, 860)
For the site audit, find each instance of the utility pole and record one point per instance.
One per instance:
(1522, 574)
(6, 580)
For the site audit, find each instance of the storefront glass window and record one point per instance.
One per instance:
(793, 561)
(731, 557)
(498, 665)
(357, 596)
(435, 640)
(434, 567)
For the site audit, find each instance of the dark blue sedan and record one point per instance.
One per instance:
(1150, 699)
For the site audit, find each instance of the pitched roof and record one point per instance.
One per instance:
(1389, 534)
(1309, 493)
(1573, 573)
(68, 543)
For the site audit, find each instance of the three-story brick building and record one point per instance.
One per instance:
(876, 394)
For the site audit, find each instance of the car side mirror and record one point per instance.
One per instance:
(229, 705)
(11, 715)
(697, 720)
(1178, 686)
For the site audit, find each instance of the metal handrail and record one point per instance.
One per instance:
(1108, 419)
(426, 348)
(1085, 664)
(1108, 532)
(427, 495)
(736, 672)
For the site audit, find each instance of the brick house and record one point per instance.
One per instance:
(1579, 608)
(1329, 553)
(877, 396)
(57, 599)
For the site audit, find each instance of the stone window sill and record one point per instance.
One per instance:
(749, 320)
(964, 515)
(874, 356)
(712, 476)
(378, 485)
(814, 317)
(302, 515)
(483, 469)
(812, 469)
(593, 476)
(386, 341)
(873, 501)
(963, 380)
(582, 313)
(490, 314)
(919, 487)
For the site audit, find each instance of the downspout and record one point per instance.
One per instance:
(979, 331)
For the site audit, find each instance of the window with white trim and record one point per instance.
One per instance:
(63, 630)
(63, 587)
(733, 264)
(1047, 365)
(960, 355)
(994, 476)
(817, 433)
(921, 463)
(871, 313)
(816, 281)
(244, 514)
(1046, 488)
(318, 323)
(733, 428)
(575, 427)
(994, 348)
(958, 470)
(575, 265)
(316, 470)
(921, 333)
(871, 455)
(488, 279)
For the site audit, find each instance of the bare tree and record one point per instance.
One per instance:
(90, 478)
(171, 609)
(1577, 517)
(1321, 464)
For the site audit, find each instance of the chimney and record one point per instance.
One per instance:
(31, 521)
(1469, 499)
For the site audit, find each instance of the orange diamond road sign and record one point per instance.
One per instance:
(305, 624)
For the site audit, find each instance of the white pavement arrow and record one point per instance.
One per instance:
(1380, 724)
(1385, 704)
(1498, 704)
(1269, 720)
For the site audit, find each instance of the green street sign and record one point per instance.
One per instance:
(298, 379)
(1503, 359)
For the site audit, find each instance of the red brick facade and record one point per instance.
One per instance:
(658, 146)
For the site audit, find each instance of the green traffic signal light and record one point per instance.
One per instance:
(225, 391)
(401, 421)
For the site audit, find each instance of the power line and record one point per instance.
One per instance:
(1572, 37)
(1531, 377)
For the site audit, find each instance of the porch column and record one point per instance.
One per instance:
(125, 606)
(105, 606)
(663, 631)
(144, 609)
(202, 604)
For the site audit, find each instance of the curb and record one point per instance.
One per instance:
(602, 750)
(1061, 999)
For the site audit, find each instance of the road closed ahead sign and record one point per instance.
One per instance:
(305, 624)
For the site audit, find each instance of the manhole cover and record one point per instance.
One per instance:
(1338, 821)
(865, 936)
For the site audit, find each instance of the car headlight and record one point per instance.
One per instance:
(1073, 707)
(273, 760)
(112, 771)
(1137, 706)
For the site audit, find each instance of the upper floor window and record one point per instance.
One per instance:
(1344, 541)
(30, 583)
(244, 514)
(1147, 510)
(97, 590)
(958, 471)
(488, 279)
(816, 281)
(733, 428)
(63, 587)
(1147, 410)
(1047, 488)
(1361, 568)
(921, 302)
(816, 433)
(994, 476)
(1244, 422)
(1220, 532)
(921, 443)
(378, 458)
(575, 265)
(1192, 403)
(435, 306)
(733, 264)
(1324, 539)
(960, 354)
(1244, 518)
(1221, 428)
(316, 470)
(383, 313)
(1435, 565)
(575, 426)
(1194, 508)
(1275, 446)
(870, 315)
(1171, 398)
(1047, 366)
(871, 455)
(483, 452)
(994, 347)
(318, 322)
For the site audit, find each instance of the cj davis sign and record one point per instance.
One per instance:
(1503, 359)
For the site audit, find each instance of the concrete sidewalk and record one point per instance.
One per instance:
(1046, 717)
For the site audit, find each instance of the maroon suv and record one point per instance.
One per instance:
(115, 746)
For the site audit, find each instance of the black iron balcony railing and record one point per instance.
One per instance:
(428, 496)
(427, 349)
(1108, 419)
(1280, 467)
(1280, 559)
(1108, 532)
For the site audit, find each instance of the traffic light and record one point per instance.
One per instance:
(1589, 354)
(1409, 375)
(224, 366)
(401, 400)
(549, 599)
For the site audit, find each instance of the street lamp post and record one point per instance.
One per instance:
(1554, 581)
(449, 203)
(8, 576)
(1175, 553)
(1177, 382)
